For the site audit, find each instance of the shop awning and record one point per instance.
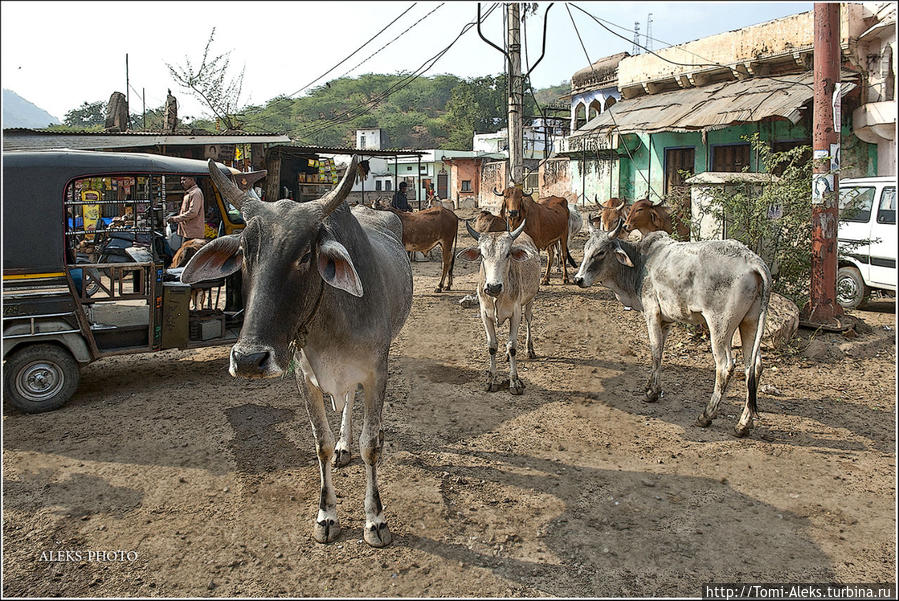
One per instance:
(711, 106)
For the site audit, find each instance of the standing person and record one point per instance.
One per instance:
(399, 199)
(190, 220)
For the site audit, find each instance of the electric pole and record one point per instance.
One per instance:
(127, 95)
(823, 308)
(516, 95)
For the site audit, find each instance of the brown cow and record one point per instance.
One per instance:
(647, 217)
(182, 256)
(423, 230)
(547, 223)
(488, 222)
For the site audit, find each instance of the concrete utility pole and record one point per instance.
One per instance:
(516, 95)
(823, 308)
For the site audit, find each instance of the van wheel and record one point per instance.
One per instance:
(40, 377)
(851, 289)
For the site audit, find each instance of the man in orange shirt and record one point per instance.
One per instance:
(190, 220)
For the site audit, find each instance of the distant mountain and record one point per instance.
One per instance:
(18, 112)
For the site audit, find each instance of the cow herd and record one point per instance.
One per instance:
(328, 288)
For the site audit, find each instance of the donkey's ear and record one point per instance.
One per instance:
(219, 258)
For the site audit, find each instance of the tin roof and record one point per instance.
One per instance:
(714, 105)
(35, 139)
(303, 150)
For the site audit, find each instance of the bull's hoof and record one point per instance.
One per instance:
(742, 431)
(326, 531)
(531, 354)
(516, 386)
(377, 535)
(565, 281)
(439, 289)
(703, 421)
(653, 395)
(544, 282)
(341, 457)
(490, 384)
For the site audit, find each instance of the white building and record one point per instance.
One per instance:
(371, 139)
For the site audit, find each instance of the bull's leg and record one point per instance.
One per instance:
(528, 313)
(371, 442)
(447, 250)
(549, 263)
(327, 526)
(516, 386)
(658, 332)
(490, 328)
(724, 367)
(342, 454)
(563, 259)
(748, 330)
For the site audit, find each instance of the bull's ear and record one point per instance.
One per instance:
(654, 217)
(216, 259)
(336, 267)
(622, 256)
(519, 254)
(472, 253)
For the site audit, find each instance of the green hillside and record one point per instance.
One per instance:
(440, 111)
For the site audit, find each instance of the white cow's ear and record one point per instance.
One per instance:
(520, 254)
(472, 253)
(336, 267)
(622, 256)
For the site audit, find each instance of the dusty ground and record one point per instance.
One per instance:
(576, 488)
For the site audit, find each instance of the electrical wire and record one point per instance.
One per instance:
(404, 32)
(368, 106)
(350, 55)
(608, 111)
(709, 64)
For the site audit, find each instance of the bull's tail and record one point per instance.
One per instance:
(571, 260)
(752, 378)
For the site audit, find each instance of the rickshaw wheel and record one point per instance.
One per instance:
(40, 377)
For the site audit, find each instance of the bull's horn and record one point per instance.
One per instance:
(500, 194)
(518, 230)
(246, 180)
(227, 189)
(471, 231)
(614, 232)
(332, 199)
(596, 201)
(620, 206)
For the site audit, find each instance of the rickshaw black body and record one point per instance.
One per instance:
(62, 310)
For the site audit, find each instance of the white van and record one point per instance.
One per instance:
(867, 237)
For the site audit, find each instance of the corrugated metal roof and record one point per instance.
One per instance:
(389, 152)
(31, 139)
(711, 106)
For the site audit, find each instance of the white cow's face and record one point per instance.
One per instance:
(603, 258)
(496, 253)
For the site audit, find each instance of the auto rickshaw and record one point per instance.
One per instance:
(66, 302)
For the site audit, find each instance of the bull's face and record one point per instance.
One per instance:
(496, 253)
(643, 216)
(603, 257)
(612, 212)
(512, 205)
(287, 256)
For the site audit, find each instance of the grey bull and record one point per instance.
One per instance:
(720, 282)
(328, 289)
(507, 285)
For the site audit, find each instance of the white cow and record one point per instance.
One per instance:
(507, 285)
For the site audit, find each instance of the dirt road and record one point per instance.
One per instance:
(207, 485)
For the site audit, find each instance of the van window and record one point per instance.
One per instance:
(855, 203)
(886, 213)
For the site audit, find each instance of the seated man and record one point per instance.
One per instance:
(399, 199)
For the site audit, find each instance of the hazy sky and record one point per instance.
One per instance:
(61, 54)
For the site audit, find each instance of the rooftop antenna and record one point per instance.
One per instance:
(636, 49)
(648, 35)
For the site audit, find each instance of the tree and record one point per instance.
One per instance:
(211, 83)
(89, 114)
